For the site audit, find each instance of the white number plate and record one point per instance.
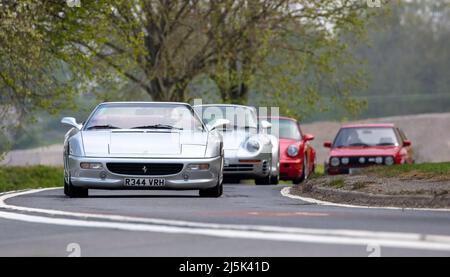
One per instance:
(354, 171)
(147, 182)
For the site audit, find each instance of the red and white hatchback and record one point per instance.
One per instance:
(362, 145)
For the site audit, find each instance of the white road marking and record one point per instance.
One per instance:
(275, 233)
(286, 192)
(235, 234)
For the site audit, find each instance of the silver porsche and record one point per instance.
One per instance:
(250, 153)
(143, 145)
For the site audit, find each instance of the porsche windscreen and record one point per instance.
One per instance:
(365, 137)
(239, 117)
(144, 116)
(285, 129)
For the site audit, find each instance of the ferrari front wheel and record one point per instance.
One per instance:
(214, 192)
(74, 192)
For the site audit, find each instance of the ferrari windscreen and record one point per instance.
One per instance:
(144, 116)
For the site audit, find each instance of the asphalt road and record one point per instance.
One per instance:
(247, 221)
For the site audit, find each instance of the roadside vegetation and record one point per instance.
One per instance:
(431, 171)
(18, 178)
(415, 186)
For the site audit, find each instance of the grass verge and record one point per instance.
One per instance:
(431, 171)
(18, 178)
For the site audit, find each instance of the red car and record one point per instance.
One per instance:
(297, 156)
(362, 145)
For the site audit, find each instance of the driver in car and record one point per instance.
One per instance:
(353, 138)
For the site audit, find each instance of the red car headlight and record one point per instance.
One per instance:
(335, 161)
(292, 151)
(389, 160)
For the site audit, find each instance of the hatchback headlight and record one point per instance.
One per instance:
(379, 160)
(253, 145)
(345, 160)
(389, 160)
(292, 151)
(335, 161)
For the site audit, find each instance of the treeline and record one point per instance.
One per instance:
(355, 63)
(50, 51)
(407, 62)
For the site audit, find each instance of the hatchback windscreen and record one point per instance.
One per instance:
(348, 137)
(142, 116)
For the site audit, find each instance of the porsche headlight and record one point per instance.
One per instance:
(334, 161)
(389, 161)
(292, 150)
(253, 145)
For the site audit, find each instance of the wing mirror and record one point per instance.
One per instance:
(72, 122)
(327, 144)
(308, 137)
(219, 123)
(407, 143)
(266, 124)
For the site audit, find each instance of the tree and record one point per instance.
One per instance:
(38, 71)
(163, 45)
(51, 51)
(295, 54)
(407, 61)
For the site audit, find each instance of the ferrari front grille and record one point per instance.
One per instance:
(144, 169)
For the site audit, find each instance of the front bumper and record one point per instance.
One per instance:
(349, 169)
(105, 179)
(291, 169)
(258, 166)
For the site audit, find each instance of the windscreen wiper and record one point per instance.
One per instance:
(108, 126)
(157, 126)
(359, 144)
(386, 144)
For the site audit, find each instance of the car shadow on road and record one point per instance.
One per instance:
(142, 196)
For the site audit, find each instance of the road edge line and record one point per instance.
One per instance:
(286, 192)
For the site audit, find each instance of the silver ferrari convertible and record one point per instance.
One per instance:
(250, 153)
(143, 145)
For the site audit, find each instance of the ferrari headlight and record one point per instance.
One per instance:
(91, 165)
(253, 145)
(335, 161)
(292, 150)
(198, 167)
(389, 160)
